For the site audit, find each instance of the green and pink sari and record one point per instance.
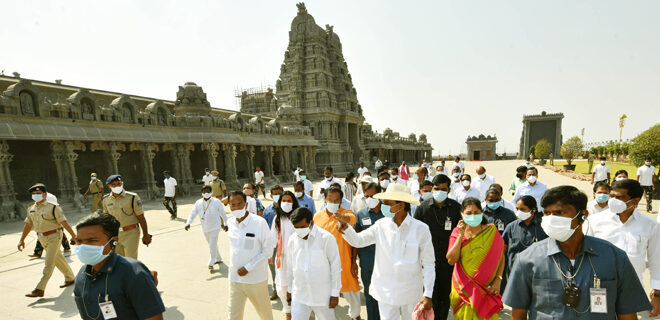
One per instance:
(481, 256)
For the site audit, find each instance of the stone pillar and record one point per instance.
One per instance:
(57, 156)
(114, 155)
(230, 165)
(313, 170)
(183, 155)
(284, 171)
(268, 158)
(250, 153)
(557, 146)
(7, 194)
(287, 158)
(212, 152)
(147, 154)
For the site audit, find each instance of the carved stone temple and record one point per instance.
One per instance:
(58, 134)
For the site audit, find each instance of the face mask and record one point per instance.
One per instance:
(456, 174)
(298, 194)
(93, 178)
(385, 209)
(117, 190)
(473, 220)
(531, 179)
(617, 206)
(372, 202)
(494, 205)
(302, 232)
(36, 197)
(522, 215)
(465, 183)
(214, 177)
(303, 177)
(166, 176)
(558, 228)
(619, 178)
(286, 206)
(89, 254)
(395, 177)
(602, 163)
(602, 197)
(481, 176)
(276, 197)
(328, 178)
(248, 192)
(439, 195)
(332, 207)
(519, 176)
(384, 184)
(206, 195)
(427, 195)
(648, 163)
(207, 173)
(238, 213)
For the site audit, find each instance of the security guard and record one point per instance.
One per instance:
(218, 189)
(95, 189)
(48, 220)
(127, 208)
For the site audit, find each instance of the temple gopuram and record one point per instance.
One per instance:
(58, 134)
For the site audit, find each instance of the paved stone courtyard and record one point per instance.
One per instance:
(188, 290)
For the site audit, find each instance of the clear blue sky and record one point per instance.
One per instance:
(455, 68)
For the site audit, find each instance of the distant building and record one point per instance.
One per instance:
(481, 147)
(541, 126)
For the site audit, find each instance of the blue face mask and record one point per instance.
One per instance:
(276, 198)
(439, 195)
(427, 195)
(36, 197)
(494, 205)
(303, 177)
(332, 207)
(473, 220)
(385, 209)
(602, 197)
(90, 254)
(165, 176)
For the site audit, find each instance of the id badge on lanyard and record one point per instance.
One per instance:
(108, 310)
(598, 297)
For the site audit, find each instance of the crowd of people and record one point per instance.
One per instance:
(424, 242)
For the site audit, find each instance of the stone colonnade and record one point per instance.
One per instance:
(398, 155)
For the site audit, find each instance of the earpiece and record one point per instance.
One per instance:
(113, 244)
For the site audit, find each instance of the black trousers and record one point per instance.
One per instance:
(166, 203)
(441, 291)
(38, 249)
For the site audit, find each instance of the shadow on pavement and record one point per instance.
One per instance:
(64, 304)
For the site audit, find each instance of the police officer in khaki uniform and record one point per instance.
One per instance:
(47, 219)
(218, 188)
(96, 190)
(127, 208)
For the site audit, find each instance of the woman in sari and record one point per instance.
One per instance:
(476, 252)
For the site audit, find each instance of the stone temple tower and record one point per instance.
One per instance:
(314, 80)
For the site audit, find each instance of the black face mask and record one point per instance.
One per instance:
(519, 175)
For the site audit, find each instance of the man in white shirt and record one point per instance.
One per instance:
(404, 264)
(420, 175)
(646, 178)
(361, 170)
(171, 189)
(483, 182)
(328, 180)
(378, 164)
(206, 178)
(309, 186)
(259, 182)
(212, 218)
(601, 172)
(395, 178)
(250, 246)
(531, 187)
(457, 162)
(465, 191)
(601, 199)
(529, 163)
(248, 190)
(632, 232)
(314, 275)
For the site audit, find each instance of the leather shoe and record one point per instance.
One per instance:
(67, 283)
(34, 256)
(35, 293)
(274, 295)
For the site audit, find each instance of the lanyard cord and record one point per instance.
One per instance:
(98, 299)
(573, 276)
(207, 207)
(536, 236)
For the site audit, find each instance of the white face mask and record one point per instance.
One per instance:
(117, 190)
(558, 228)
(372, 202)
(238, 213)
(648, 163)
(93, 178)
(332, 207)
(286, 206)
(481, 176)
(206, 195)
(328, 178)
(395, 177)
(457, 174)
(619, 178)
(298, 194)
(617, 206)
(465, 183)
(302, 232)
(214, 177)
(384, 184)
(602, 162)
(531, 179)
(522, 215)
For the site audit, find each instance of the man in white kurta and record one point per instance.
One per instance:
(314, 273)
(212, 218)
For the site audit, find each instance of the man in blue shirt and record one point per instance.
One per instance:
(366, 218)
(570, 275)
(531, 187)
(303, 199)
(109, 284)
(495, 213)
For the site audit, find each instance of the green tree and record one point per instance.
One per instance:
(625, 148)
(542, 149)
(594, 151)
(646, 144)
(532, 150)
(571, 149)
(601, 151)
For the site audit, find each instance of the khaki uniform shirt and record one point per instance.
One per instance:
(217, 187)
(45, 217)
(125, 208)
(95, 186)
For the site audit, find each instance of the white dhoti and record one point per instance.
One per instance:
(392, 312)
(212, 239)
(300, 311)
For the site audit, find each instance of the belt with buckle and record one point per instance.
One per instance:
(129, 227)
(94, 192)
(47, 233)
